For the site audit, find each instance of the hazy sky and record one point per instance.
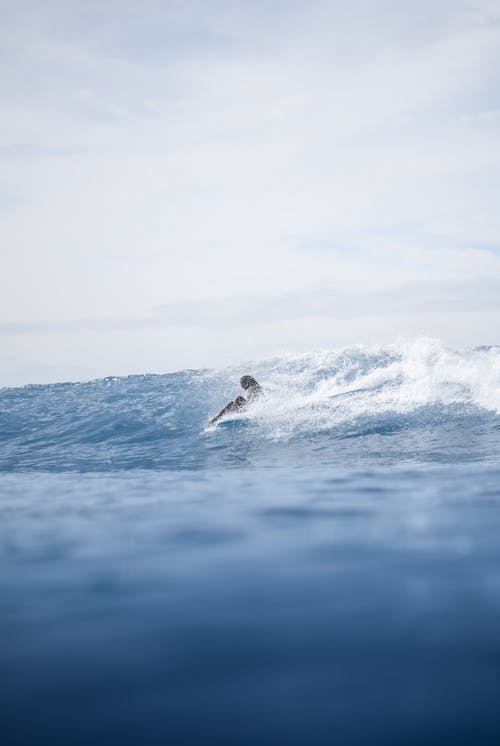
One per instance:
(184, 184)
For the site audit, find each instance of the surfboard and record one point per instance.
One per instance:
(230, 423)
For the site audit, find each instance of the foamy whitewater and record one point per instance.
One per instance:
(321, 568)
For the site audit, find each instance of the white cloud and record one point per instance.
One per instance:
(210, 150)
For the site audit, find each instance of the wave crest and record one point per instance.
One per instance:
(325, 389)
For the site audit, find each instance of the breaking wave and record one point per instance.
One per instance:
(413, 401)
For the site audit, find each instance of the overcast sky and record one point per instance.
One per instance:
(191, 183)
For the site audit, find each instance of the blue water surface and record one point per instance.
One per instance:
(323, 569)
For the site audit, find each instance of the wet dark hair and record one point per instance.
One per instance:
(249, 382)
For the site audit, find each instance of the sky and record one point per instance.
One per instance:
(193, 183)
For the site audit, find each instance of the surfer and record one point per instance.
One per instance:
(253, 390)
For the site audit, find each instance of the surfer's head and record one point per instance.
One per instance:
(249, 383)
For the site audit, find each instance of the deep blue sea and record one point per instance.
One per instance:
(322, 569)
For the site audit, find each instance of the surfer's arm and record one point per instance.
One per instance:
(233, 406)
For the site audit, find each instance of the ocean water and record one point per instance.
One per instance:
(323, 568)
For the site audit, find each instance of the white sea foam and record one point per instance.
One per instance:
(323, 389)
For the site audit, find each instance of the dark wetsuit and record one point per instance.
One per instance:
(254, 390)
